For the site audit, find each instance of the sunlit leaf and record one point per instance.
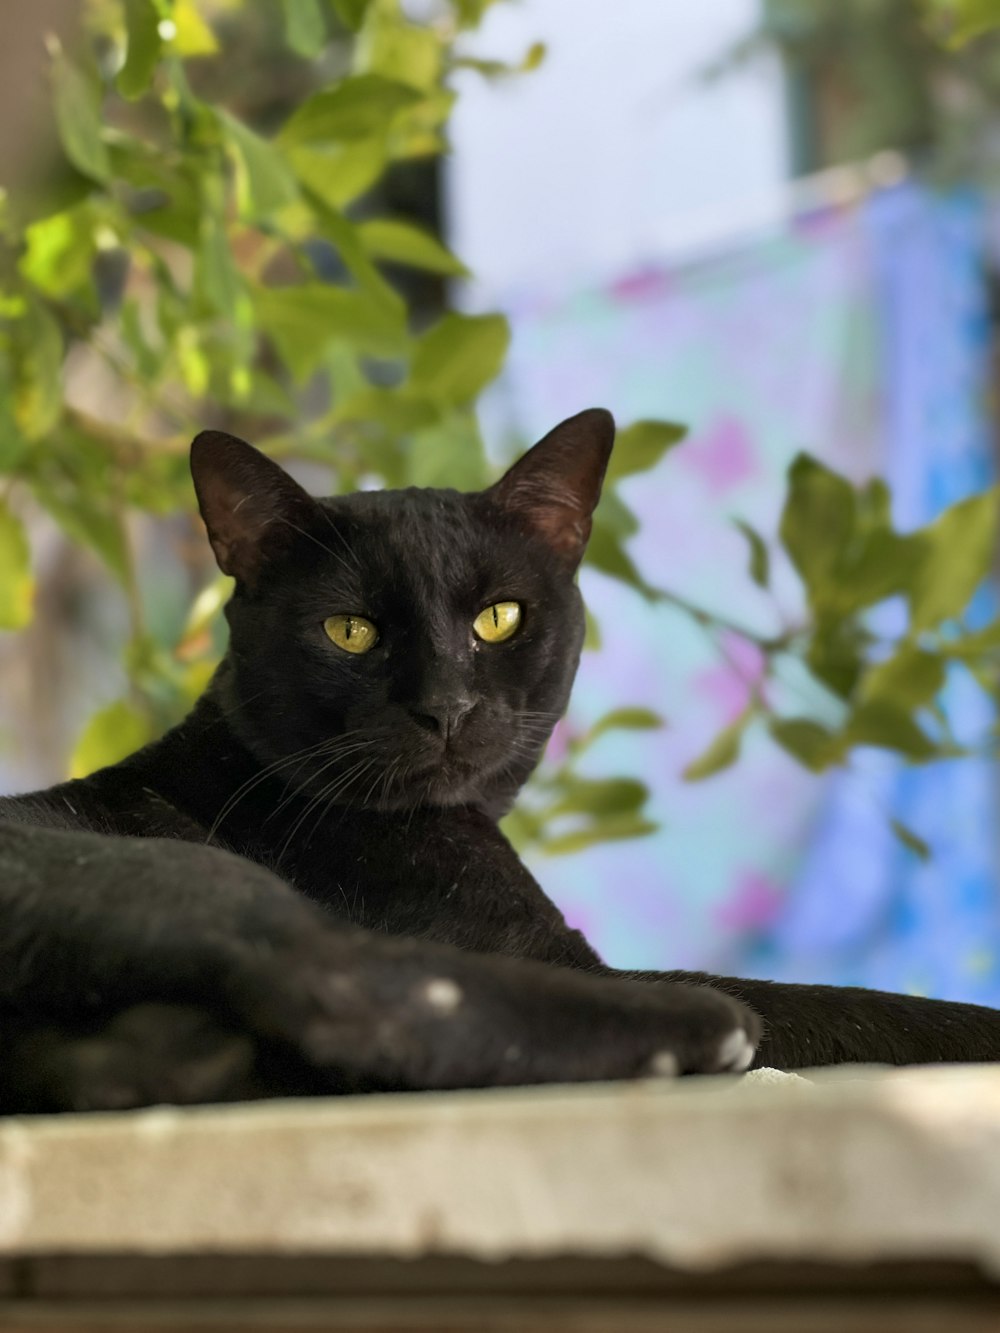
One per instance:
(111, 734)
(402, 51)
(193, 36)
(59, 252)
(339, 173)
(16, 583)
(960, 547)
(357, 108)
(405, 243)
(143, 47)
(458, 356)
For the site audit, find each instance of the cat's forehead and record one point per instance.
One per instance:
(432, 540)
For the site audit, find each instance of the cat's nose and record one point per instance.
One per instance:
(442, 715)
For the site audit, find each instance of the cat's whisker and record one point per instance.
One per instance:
(331, 759)
(338, 784)
(244, 790)
(337, 797)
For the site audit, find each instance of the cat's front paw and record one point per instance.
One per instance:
(707, 1032)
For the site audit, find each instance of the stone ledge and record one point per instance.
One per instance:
(899, 1165)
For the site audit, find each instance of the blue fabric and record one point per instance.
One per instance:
(864, 909)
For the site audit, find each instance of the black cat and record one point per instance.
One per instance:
(302, 888)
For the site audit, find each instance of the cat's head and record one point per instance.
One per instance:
(411, 647)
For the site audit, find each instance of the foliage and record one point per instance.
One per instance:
(217, 257)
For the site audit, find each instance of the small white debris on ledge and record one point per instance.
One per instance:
(697, 1173)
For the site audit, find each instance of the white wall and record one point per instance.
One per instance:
(615, 151)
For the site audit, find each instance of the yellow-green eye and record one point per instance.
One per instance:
(352, 633)
(497, 622)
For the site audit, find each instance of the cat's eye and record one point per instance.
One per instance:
(497, 622)
(354, 634)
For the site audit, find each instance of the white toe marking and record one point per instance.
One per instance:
(736, 1052)
(664, 1064)
(442, 994)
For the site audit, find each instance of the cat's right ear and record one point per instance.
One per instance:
(252, 508)
(553, 490)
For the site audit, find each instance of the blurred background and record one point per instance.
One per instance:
(773, 222)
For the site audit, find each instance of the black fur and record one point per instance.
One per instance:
(302, 888)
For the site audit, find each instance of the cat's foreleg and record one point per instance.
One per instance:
(806, 1026)
(103, 940)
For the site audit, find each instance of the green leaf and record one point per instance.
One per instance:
(59, 252)
(501, 69)
(723, 751)
(979, 643)
(835, 654)
(302, 321)
(960, 546)
(37, 365)
(458, 356)
(143, 48)
(346, 236)
(909, 679)
(606, 550)
(358, 108)
(403, 52)
(888, 727)
(614, 829)
(17, 586)
(883, 564)
(351, 12)
(641, 446)
(623, 719)
(603, 797)
(760, 560)
(817, 523)
(111, 734)
(449, 453)
(909, 839)
(78, 116)
(217, 283)
(404, 243)
(264, 180)
(193, 35)
(396, 410)
(339, 173)
(305, 27)
(812, 745)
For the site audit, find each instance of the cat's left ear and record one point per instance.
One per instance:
(252, 508)
(553, 490)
